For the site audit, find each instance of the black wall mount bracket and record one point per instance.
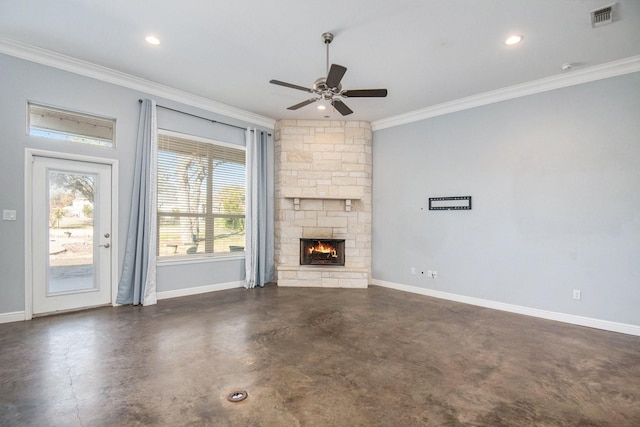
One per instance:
(457, 203)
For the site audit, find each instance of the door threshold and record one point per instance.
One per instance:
(73, 310)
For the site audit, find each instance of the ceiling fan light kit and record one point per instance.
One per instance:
(329, 88)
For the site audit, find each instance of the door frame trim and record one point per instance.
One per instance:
(30, 153)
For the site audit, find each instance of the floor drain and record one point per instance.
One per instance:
(237, 396)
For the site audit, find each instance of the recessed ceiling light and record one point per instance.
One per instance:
(322, 107)
(513, 40)
(152, 40)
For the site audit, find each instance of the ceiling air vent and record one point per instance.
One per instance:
(602, 16)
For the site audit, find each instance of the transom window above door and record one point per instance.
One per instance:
(50, 122)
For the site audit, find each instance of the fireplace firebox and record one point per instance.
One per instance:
(322, 252)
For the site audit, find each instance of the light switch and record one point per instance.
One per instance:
(8, 215)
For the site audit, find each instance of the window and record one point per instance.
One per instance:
(70, 126)
(201, 192)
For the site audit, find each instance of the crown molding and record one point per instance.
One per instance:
(576, 77)
(108, 75)
(88, 69)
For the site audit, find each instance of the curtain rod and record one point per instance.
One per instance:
(200, 117)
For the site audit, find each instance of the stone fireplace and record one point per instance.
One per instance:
(323, 193)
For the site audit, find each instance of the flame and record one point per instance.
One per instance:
(322, 248)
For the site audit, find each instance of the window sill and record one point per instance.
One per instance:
(195, 259)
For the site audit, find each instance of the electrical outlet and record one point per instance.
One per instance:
(8, 215)
(577, 294)
(413, 271)
(429, 273)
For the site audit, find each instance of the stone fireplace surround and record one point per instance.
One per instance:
(323, 190)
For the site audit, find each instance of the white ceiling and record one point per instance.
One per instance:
(424, 52)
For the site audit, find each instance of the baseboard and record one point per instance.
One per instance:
(544, 314)
(18, 316)
(198, 290)
(15, 316)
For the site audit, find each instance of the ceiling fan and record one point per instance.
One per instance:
(329, 88)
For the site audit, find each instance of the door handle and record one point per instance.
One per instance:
(106, 245)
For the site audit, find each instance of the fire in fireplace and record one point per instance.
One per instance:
(321, 251)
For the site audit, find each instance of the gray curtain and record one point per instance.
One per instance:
(259, 210)
(138, 280)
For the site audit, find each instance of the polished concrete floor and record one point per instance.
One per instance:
(314, 357)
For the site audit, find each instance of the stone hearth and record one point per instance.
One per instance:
(323, 190)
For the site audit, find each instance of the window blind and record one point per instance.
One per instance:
(201, 196)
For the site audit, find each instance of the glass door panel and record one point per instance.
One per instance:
(71, 232)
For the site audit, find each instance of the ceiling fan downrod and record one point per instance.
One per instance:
(327, 38)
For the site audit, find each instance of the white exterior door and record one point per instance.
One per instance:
(71, 234)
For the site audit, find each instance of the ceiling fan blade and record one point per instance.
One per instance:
(365, 93)
(292, 86)
(341, 107)
(335, 75)
(303, 103)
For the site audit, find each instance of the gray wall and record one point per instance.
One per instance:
(555, 181)
(22, 81)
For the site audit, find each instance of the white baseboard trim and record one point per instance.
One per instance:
(14, 316)
(198, 290)
(18, 316)
(535, 312)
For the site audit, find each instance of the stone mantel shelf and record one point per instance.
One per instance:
(347, 199)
